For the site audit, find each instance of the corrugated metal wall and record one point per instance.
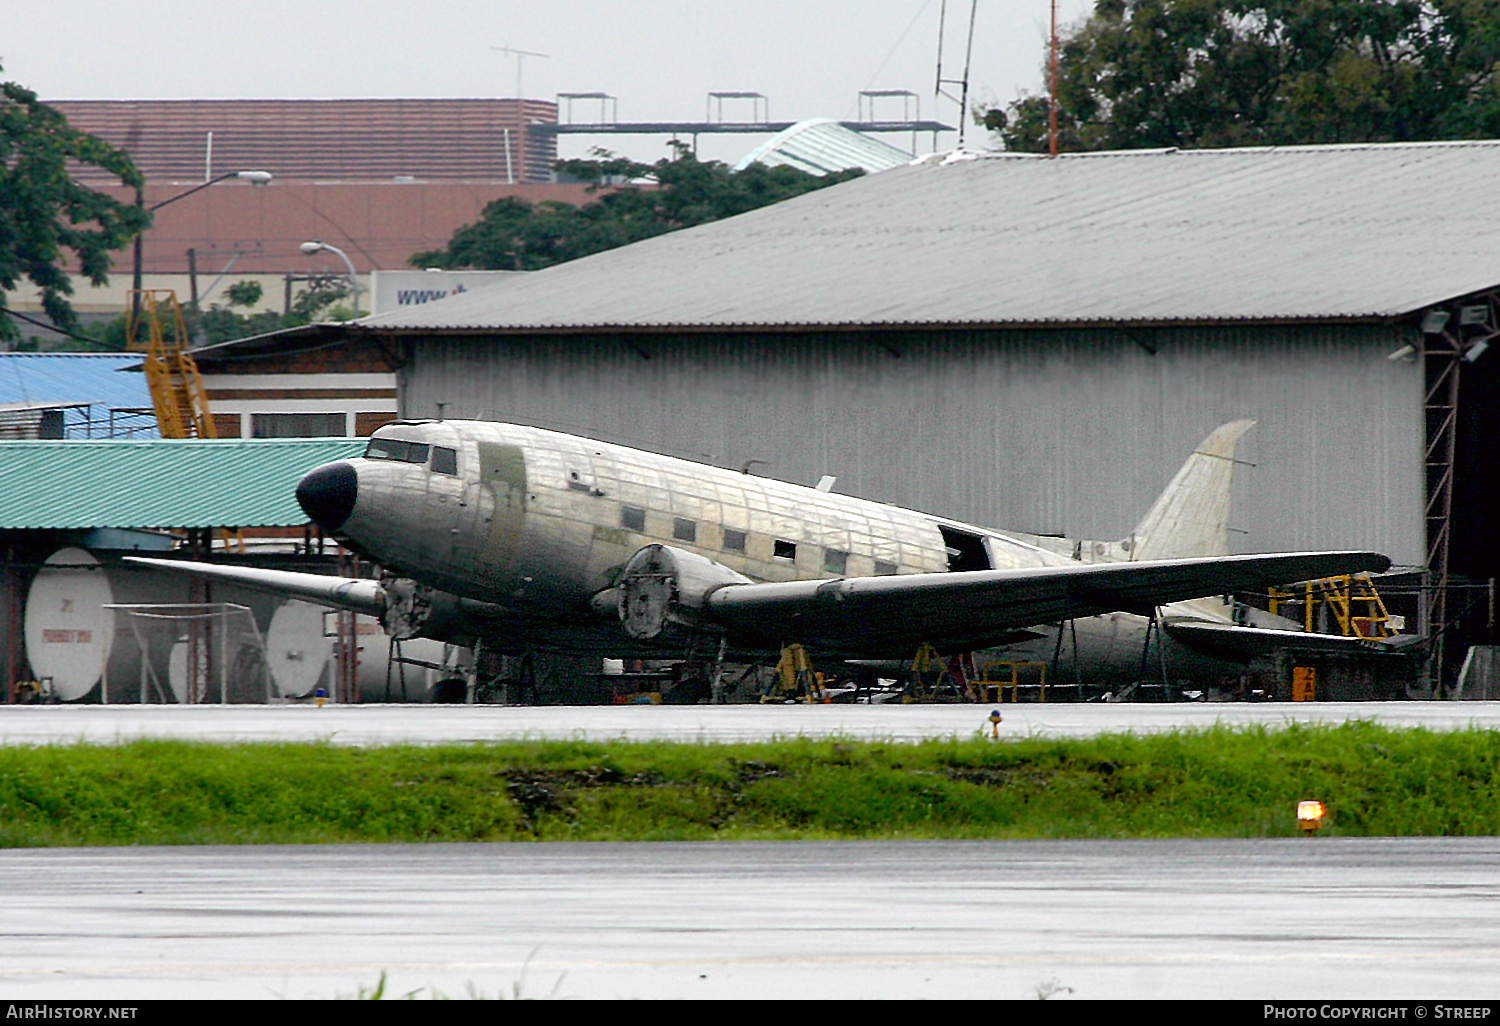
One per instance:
(1063, 431)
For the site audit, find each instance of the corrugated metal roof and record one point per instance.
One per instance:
(1337, 232)
(96, 380)
(75, 485)
(322, 140)
(820, 146)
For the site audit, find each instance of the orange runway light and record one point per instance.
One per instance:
(1310, 815)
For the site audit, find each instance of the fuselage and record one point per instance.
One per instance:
(537, 523)
(519, 515)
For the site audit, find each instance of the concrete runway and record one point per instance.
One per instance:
(430, 724)
(1401, 919)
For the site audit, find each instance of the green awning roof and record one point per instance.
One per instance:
(161, 483)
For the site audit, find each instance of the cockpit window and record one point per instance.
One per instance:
(444, 461)
(396, 449)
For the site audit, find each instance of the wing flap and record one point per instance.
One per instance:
(977, 608)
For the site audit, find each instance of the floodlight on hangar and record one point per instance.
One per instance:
(1479, 313)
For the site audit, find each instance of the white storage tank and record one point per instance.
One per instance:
(69, 632)
(78, 635)
(300, 656)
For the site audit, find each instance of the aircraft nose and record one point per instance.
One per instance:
(327, 494)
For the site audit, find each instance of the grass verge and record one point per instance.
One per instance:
(1217, 782)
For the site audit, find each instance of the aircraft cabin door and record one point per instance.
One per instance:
(966, 551)
(450, 503)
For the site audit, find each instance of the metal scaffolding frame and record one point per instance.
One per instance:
(1453, 334)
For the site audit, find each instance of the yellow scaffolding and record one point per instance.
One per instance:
(1352, 601)
(983, 687)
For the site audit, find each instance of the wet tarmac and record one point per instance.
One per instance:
(428, 724)
(1406, 919)
(1320, 918)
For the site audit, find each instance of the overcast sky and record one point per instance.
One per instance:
(659, 58)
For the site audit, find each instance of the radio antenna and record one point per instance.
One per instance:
(962, 99)
(520, 56)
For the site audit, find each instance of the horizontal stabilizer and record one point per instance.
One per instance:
(1242, 644)
(358, 595)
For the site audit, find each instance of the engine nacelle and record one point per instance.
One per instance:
(415, 610)
(664, 587)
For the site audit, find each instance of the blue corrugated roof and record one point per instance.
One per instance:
(232, 482)
(96, 379)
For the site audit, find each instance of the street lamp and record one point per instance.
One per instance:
(310, 248)
(253, 177)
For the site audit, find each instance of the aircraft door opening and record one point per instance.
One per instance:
(966, 551)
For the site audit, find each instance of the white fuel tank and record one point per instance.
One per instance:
(300, 653)
(69, 632)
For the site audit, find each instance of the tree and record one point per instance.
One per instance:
(683, 191)
(244, 293)
(44, 213)
(1208, 73)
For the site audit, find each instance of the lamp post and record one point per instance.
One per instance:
(253, 177)
(310, 248)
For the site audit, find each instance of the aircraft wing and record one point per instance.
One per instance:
(354, 594)
(979, 608)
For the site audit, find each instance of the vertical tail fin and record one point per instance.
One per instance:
(1191, 516)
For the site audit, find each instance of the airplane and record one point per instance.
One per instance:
(526, 539)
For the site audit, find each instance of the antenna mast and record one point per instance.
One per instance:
(520, 56)
(962, 99)
(1052, 87)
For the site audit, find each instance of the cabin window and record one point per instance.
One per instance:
(684, 530)
(734, 541)
(396, 449)
(633, 518)
(785, 550)
(884, 569)
(444, 461)
(835, 561)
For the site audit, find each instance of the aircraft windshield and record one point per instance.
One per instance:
(396, 449)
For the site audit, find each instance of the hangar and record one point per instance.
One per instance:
(1031, 343)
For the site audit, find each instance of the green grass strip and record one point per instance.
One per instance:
(1217, 782)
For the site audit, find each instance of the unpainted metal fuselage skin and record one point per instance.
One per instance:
(535, 524)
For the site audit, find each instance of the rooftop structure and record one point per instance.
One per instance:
(74, 395)
(1147, 237)
(177, 483)
(327, 140)
(820, 146)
